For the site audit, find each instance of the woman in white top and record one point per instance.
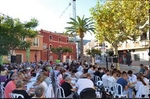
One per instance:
(140, 83)
(60, 75)
(42, 83)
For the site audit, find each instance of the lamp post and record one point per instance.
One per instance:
(106, 56)
(47, 53)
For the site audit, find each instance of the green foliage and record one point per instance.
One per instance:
(80, 26)
(60, 50)
(117, 20)
(110, 53)
(93, 52)
(12, 31)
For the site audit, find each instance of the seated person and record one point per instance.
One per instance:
(123, 82)
(11, 85)
(98, 72)
(63, 80)
(83, 83)
(67, 87)
(3, 74)
(19, 89)
(39, 92)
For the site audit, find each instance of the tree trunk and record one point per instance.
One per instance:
(81, 50)
(116, 53)
(93, 60)
(60, 56)
(28, 54)
(1, 60)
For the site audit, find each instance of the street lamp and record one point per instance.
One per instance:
(48, 50)
(106, 56)
(47, 53)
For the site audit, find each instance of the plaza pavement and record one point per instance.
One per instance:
(123, 67)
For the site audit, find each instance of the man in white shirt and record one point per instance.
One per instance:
(83, 83)
(80, 68)
(106, 75)
(113, 78)
(112, 81)
(132, 81)
(91, 70)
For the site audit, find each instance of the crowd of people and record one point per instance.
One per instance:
(72, 77)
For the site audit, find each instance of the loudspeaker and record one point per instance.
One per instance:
(13, 59)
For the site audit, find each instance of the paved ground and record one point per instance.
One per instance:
(123, 67)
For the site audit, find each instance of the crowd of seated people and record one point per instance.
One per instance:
(73, 78)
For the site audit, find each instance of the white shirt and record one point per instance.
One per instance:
(105, 76)
(59, 78)
(80, 69)
(44, 85)
(141, 89)
(83, 83)
(78, 74)
(132, 78)
(146, 81)
(90, 71)
(112, 79)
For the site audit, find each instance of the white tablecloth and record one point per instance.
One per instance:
(30, 84)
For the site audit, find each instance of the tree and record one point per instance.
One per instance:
(93, 52)
(80, 26)
(117, 21)
(13, 33)
(60, 50)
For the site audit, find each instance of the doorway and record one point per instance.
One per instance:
(18, 59)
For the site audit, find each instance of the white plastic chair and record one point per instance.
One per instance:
(96, 78)
(105, 84)
(14, 95)
(98, 91)
(50, 92)
(60, 92)
(111, 87)
(2, 91)
(119, 91)
(99, 83)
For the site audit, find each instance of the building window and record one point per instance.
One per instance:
(50, 46)
(144, 36)
(23, 39)
(50, 37)
(136, 57)
(36, 42)
(59, 39)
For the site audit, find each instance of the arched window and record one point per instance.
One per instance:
(59, 39)
(50, 37)
(50, 46)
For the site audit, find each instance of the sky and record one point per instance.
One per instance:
(47, 12)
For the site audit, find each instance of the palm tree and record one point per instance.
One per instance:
(80, 26)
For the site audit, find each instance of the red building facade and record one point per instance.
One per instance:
(51, 39)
